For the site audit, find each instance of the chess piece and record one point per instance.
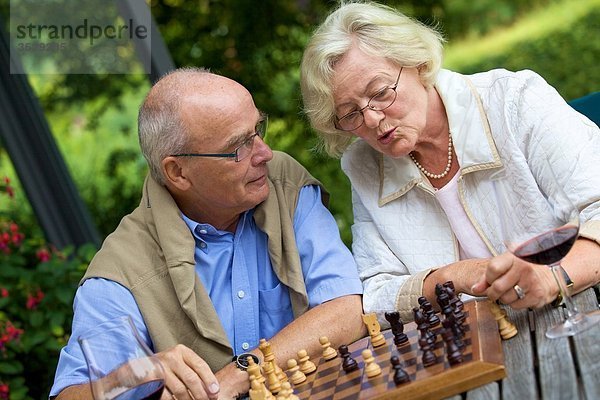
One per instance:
(377, 338)
(306, 366)
(329, 352)
(397, 326)
(458, 304)
(427, 308)
(457, 334)
(349, 364)
(400, 375)
(428, 358)
(423, 326)
(253, 371)
(296, 376)
(453, 352)
(265, 347)
(371, 367)
(258, 391)
(286, 393)
(506, 328)
(272, 380)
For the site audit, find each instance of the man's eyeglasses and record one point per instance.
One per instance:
(378, 102)
(240, 152)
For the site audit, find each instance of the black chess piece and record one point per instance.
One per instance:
(400, 375)
(427, 308)
(453, 352)
(458, 302)
(428, 358)
(397, 326)
(349, 364)
(423, 326)
(451, 324)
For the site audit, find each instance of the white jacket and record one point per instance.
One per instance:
(497, 118)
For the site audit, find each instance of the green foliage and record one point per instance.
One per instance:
(37, 285)
(567, 58)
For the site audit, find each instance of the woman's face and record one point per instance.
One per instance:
(396, 130)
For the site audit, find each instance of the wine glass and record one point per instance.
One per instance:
(546, 242)
(120, 364)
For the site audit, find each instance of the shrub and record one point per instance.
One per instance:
(37, 285)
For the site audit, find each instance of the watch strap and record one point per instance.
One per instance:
(558, 301)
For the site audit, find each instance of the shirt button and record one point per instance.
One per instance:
(202, 245)
(245, 346)
(241, 294)
(203, 231)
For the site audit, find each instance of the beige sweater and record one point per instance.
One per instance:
(152, 254)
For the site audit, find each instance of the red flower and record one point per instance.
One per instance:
(9, 189)
(4, 391)
(34, 300)
(3, 292)
(43, 255)
(9, 333)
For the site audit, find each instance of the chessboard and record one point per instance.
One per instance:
(483, 362)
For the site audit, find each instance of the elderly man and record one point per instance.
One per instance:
(231, 243)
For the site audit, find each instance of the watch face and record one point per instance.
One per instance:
(241, 360)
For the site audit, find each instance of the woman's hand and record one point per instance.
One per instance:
(506, 277)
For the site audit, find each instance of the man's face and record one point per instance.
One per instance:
(219, 122)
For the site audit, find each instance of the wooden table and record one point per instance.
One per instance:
(542, 368)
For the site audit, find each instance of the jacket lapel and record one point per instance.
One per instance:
(177, 244)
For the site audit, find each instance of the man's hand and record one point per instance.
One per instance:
(187, 376)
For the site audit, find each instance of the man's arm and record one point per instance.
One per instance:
(322, 320)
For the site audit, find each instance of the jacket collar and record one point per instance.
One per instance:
(177, 244)
(471, 135)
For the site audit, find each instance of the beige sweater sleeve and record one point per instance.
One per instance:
(409, 293)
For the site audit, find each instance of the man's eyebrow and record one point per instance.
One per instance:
(237, 140)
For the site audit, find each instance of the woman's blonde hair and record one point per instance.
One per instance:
(378, 30)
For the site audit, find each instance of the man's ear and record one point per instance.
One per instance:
(174, 172)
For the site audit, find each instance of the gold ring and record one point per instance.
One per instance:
(520, 292)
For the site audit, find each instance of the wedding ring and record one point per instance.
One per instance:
(520, 292)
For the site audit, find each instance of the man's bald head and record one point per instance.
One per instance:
(161, 122)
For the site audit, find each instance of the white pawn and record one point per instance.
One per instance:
(274, 385)
(371, 367)
(287, 393)
(258, 391)
(306, 366)
(329, 352)
(296, 376)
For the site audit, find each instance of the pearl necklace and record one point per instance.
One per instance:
(443, 174)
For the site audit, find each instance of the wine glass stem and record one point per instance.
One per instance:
(571, 308)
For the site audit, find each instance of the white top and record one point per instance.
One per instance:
(498, 119)
(469, 242)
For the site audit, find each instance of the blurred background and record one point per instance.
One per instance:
(260, 44)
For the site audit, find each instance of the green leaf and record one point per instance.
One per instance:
(65, 295)
(36, 319)
(11, 367)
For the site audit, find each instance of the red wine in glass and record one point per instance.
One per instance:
(549, 247)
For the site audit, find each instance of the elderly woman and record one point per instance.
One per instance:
(421, 146)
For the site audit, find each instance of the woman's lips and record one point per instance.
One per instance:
(387, 138)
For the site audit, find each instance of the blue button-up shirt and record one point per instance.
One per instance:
(237, 274)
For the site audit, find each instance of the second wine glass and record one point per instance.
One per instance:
(545, 241)
(120, 365)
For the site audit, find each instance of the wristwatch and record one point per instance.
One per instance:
(569, 284)
(241, 360)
